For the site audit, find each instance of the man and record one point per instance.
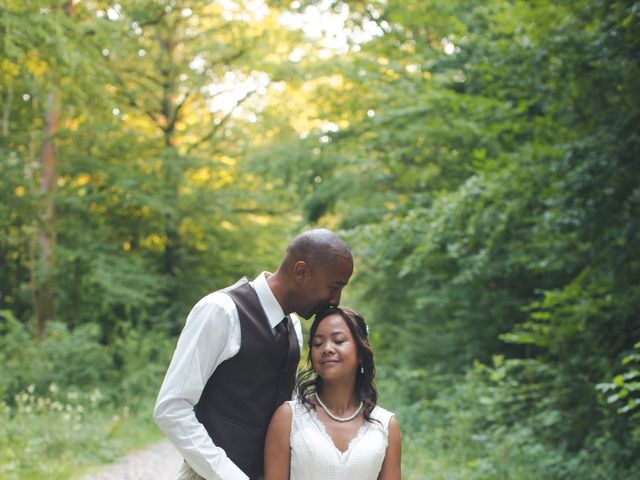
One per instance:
(236, 359)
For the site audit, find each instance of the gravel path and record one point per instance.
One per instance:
(157, 462)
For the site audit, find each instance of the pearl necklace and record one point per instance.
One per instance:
(335, 417)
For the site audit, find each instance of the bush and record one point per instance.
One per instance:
(71, 359)
(500, 422)
(69, 401)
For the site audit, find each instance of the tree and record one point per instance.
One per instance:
(490, 192)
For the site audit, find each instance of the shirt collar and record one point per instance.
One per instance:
(270, 305)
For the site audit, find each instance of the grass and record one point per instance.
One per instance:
(63, 435)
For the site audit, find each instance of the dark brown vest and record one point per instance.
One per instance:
(240, 397)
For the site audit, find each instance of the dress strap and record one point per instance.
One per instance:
(383, 416)
(299, 415)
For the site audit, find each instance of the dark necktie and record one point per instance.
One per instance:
(282, 327)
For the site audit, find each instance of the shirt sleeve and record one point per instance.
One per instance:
(211, 335)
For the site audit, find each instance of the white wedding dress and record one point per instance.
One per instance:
(315, 457)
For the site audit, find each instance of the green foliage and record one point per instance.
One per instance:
(151, 199)
(501, 421)
(69, 401)
(140, 358)
(624, 389)
(59, 434)
(488, 182)
(479, 157)
(63, 358)
(129, 369)
(153, 206)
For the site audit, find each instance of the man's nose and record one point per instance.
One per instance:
(335, 298)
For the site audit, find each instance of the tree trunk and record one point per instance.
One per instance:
(45, 305)
(44, 284)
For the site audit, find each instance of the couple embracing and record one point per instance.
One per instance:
(230, 402)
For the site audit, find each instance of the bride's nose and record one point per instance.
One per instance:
(327, 348)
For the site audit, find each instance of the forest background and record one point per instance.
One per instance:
(480, 157)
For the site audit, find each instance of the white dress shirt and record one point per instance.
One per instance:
(210, 336)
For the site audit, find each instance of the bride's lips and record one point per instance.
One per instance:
(328, 362)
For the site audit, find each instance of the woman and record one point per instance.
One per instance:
(333, 429)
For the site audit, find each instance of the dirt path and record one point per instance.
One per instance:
(158, 462)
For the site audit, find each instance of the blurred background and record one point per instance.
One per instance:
(481, 158)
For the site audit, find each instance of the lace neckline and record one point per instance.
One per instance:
(321, 427)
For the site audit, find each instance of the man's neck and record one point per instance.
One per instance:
(276, 286)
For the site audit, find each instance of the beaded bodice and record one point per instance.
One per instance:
(315, 457)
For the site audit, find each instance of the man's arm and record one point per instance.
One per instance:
(211, 336)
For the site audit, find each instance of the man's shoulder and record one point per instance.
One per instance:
(214, 304)
(218, 298)
(211, 310)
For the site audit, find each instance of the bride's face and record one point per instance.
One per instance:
(334, 353)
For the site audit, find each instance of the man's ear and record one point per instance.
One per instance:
(301, 272)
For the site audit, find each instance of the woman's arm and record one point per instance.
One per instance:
(391, 466)
(277, 447)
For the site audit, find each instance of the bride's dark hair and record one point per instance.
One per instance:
(309, 383)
